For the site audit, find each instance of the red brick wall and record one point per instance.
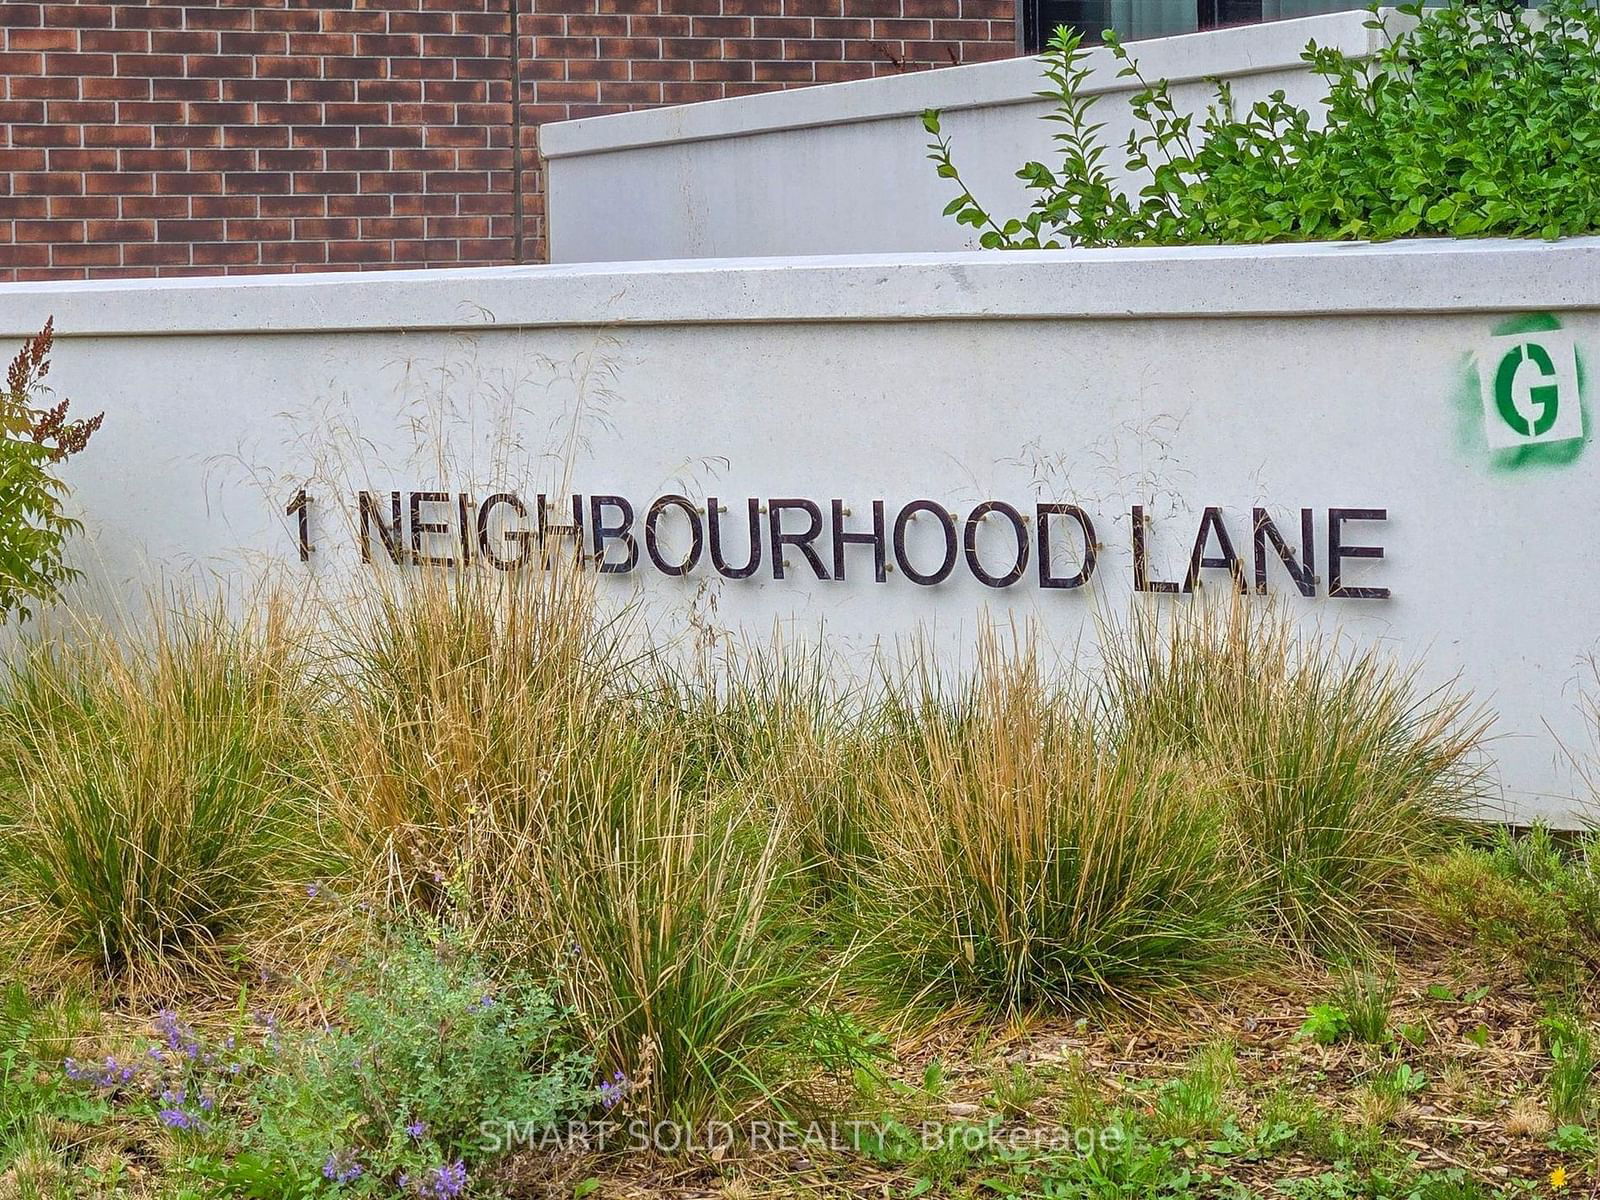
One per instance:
(191, 138)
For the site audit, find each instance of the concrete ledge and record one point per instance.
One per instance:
(1188, 57)
(1422, 276)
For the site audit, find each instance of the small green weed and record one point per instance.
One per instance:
(1195, 1104)
(1573, 1065)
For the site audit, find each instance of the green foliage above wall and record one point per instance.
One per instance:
(1473, 119)
(33, 442)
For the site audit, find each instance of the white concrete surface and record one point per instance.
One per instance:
(842, 168)
(1300, 378)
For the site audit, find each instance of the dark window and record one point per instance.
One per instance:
(1092, 17)
(1213, 13)
(1132, 18)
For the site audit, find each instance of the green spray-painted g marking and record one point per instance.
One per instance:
(1545, 397)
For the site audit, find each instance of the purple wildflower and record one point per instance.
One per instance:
(106, 1076)
(613, 1090)
(312, 891)
(418, 1130)
(176, 1118)
(444, 1183)
(342, 1167)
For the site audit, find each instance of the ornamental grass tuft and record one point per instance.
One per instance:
(1015, 860)
(511, 761)
(147, 803)
(1337, 772)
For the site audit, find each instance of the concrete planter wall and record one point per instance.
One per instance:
(842, 168)
(1159, 398)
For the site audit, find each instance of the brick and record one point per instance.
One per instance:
(720, 27)
(82, 112)
(28, 256)
(21, 16)
(264, 184)
(185, 89)
(689, 93)
(252, 91)
(219, 66)
(159, 207)
(782, 27)
(279, 230)
(85, 255)
(289, 160)
(119, 183)
(598, 25)
(723, 71)
(631, 93)
(322, 45)
(217, 18)
(154, 160)
(80, 208)
(190, 231)
(21, 64)
(294, 252)
(53, 232)
(80, 16)
(255, 135)
(189, 183)
(152, 16)
(223, 206)
(42, 39)
(323, 90)
(845, 28)
(150, 112)
(326, 228)
(52, 135)
(840, 72)
(48, 183)
(220, 254)
(121, 231)
(813, 48)
(186, 135)
(194, 43)
(115, 88)
(775, 71)
(253, 43)
(376, 204)
(293, 206)
(21, 112)
(153, 66)
(25, 208)
(41, 87)
(154, 254)
(664, 69)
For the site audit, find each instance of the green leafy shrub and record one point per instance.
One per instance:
(1473, 119)
(1015, 859)
(431, 1070)
(1529, 899)
(34, 441)
(427, 1071)
(147, 804)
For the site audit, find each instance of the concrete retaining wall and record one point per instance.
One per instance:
(842, 169)
(1408, 419)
